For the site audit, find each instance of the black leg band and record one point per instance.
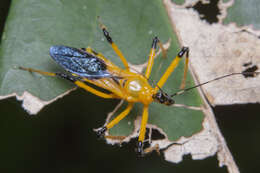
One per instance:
(106, 34)
(140, 148)
(183, 51)
(101, 131)
(155, 41)
(68, 77)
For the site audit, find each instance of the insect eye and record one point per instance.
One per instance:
(162, 100)
(170, 102)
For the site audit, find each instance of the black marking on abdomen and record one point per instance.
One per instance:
(68, 77)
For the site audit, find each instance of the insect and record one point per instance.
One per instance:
(85, 66)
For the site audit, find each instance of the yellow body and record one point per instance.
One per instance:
(129, 86)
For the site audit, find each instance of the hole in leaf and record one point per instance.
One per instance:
(156, 135)
(239, 124)
(208, 11)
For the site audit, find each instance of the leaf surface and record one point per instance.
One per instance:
(132, 24)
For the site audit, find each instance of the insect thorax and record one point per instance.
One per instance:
(138, 90)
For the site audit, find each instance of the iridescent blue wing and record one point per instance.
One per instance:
(80, 62)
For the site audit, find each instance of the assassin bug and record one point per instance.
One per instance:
(85, 66)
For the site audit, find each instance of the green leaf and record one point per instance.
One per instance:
(33, 26)
(244, 13)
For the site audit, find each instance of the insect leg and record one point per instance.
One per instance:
(164, 51)
(151, 57)
(142, 130)
(73, 79)
(185, 70)
(172, 66)
(161, 60)
(94, 91)
(37, 71)
(90, 50)
(114, 46)
(115, 120)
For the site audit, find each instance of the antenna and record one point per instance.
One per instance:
(245, 73)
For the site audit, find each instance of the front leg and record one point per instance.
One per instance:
(140, 143)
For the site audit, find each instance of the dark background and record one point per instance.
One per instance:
(60, 138)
